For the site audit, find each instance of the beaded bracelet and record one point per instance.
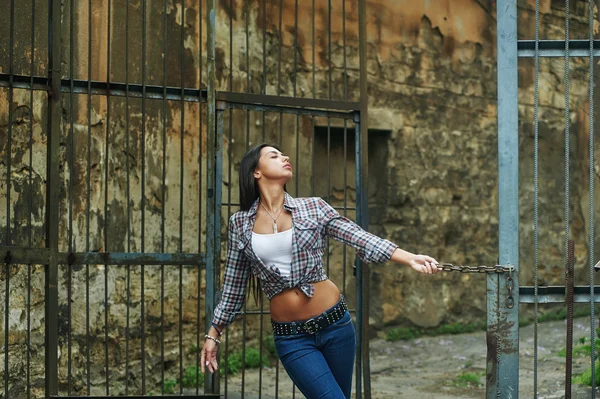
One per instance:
(215, 326)
(212, 338)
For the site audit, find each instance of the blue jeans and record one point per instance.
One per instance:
(321, 364)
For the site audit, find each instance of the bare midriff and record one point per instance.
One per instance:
(293, 305)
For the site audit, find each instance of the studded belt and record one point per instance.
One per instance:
(312, 325)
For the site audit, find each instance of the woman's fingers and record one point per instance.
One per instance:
(202, 360)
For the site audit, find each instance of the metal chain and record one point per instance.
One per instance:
(449, 267)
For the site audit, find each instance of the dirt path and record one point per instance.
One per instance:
(428, 368)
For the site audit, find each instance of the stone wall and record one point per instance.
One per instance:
(433, 162)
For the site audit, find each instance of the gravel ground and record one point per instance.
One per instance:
(427, 368)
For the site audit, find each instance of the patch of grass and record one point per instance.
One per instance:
(170, 386)
(234, 362)
(252, 360)
(403, 334)
(586, 377)
(192, 376)
(582, 349)
(468, 380)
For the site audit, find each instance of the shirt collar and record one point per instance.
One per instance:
(289, 203)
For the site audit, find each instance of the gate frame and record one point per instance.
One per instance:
(217, 102)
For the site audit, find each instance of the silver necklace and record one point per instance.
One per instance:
(271, 216)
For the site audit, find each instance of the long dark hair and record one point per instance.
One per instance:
(248, 195)
(248, 186)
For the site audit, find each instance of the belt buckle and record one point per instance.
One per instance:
(312, 325)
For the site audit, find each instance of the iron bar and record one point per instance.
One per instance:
(536, 200)
(591, 199)
(569, 283)
(143, 201)
(556, 48)
(313, 42)
(556, 294)
(128, 194)
(88, 200)
(30, 202)
(181, 189)
(329, 81)
(163, 199)
(52, 199)
(212, 240)
(362, 162)
(108, 88)
(290, 110)
(280, 37)
(106, 217)
(71, 160)
(9, 146)
(198, 269)
(8, 201)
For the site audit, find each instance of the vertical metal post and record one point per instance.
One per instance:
(503, 330)
(211, 383)
(362, 148)
(53, 188)
(569, 285)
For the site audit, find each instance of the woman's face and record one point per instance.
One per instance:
(273, 165)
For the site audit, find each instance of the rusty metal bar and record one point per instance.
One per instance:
(556, 294)
(200, 162)
(291, 110)
(71, 160)
(556, 48)
(362, 143)
(88, 199)
(569, 282)
(592, 176)
(106, 217)
(163, 199)
(211, 383)
(52, 201)
(143, 201)
(181, 189)
(311, 103)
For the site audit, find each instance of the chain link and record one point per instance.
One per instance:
(449, 267)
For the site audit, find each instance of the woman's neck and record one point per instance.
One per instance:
(272, 197)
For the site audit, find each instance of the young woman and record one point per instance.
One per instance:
(281, 240)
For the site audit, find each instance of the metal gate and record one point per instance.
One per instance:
(526, 58)
(113, 152)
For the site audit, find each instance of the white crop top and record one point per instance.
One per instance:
(274, 250)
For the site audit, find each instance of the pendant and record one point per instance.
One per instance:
(274, 227)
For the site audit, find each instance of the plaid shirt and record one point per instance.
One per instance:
(313, 219)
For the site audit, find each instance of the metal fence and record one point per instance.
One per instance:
(122, 125)
(529, 120)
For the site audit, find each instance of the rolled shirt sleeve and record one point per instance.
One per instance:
(235, 279)
(369, 247)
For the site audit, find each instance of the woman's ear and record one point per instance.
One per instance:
(256, 174)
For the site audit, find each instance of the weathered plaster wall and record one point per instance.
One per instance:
(432, 89)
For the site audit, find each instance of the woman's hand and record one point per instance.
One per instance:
(424, 264)
(209, 356)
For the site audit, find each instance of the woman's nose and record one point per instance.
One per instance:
(286, 158)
